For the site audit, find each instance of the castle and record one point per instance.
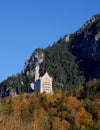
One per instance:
(42, 83)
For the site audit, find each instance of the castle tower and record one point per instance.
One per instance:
(36, 72)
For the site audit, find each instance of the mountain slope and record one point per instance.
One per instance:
(85, 45)
(71, 61)
(75, 56)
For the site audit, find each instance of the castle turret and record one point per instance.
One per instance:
(36, 72)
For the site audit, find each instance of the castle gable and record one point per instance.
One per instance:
(46, 77)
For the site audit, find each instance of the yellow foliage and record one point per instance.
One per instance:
(83, 118)
(41, 119)
(60, 124)
(46, 112)
(72, 102)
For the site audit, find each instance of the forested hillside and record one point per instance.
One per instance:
(73, 60)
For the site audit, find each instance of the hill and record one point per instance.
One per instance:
(71, 61)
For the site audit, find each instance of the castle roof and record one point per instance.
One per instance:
(46, 75)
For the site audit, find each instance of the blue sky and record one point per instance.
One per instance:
(29, 24)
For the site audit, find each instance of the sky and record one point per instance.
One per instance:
(29, 24)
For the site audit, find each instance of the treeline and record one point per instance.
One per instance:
(59, 62)
(18, 83)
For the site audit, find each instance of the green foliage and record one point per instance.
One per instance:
(90, 90)
(18, 82)
(62, 65)
(89, 106)
(13, 82)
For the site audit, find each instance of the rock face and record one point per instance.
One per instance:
(85, 45)
(30, 63)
